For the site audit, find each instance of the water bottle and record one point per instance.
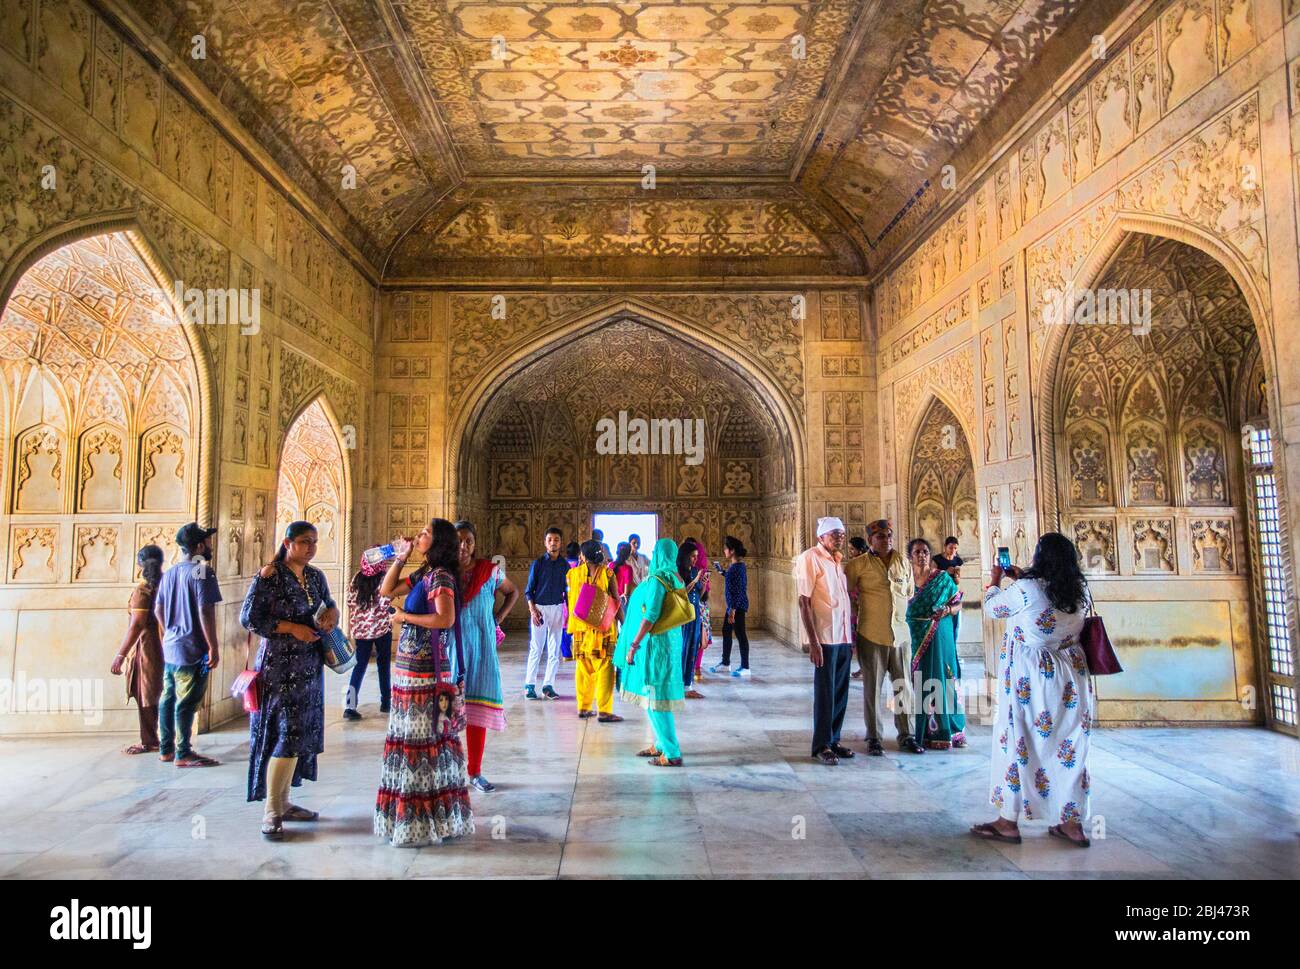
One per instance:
(379, 554)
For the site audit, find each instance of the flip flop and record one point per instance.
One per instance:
(1057, 831)
(990, 833)
(138, 749)
(295, 813)
(197, 760)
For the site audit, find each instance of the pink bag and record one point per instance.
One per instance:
(596, 607)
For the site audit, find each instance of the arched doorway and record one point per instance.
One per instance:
(1149, 415)
(942, 485)
(103, 428)
(313, 487)
(942, 503)
(529, 454)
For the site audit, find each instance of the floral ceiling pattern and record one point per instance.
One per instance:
(387, 112)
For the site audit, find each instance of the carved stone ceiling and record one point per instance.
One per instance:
(625, 365)
(832, 109)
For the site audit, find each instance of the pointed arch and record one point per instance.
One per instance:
(1093, 269)
(319, 412)
(565, 330)
(931, 396)
(150, 255)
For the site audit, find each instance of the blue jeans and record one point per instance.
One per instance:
(183, 688)
(690, 646)
(383, 650)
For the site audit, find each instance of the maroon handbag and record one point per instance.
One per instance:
(1097, 649)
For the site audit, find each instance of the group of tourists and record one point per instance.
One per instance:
(631, 624)
(907, 615)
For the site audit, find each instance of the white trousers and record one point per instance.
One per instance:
(545, 639)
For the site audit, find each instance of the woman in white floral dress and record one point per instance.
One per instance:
(1040, 738)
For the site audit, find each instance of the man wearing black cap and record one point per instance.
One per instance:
(186, 607)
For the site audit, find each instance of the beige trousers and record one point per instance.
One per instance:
(877, 661)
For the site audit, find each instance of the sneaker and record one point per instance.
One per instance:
(530, 693)
(481, 784)
(549, 693)
(351, 715)
(743, 671)
(720, 668)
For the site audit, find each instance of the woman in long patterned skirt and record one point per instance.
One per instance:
(477, 621)
(423, 788)
(1040, 747)
(288, 730)
(940, 724)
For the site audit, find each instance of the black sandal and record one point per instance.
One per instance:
(826, 756)
(1058, 831)
(609, 718)
(840, 751)
(989, 833)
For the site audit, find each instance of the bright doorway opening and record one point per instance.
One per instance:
(618, 525)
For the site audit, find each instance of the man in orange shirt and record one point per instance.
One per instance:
(827, 636)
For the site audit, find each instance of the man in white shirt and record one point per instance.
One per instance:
(639, 563)
(825, 617)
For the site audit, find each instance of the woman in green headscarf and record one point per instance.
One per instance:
(650, 664)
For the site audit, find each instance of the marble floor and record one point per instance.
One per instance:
(574, 801)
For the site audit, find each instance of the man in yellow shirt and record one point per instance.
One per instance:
(881, 582)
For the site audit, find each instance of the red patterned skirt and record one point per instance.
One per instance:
(423, 785)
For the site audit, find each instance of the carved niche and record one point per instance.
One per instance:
(99, 485)
(1212, 545)
(39, 483)
(1095, 540)
(1153, 545)
(1203, 464)
(162, 470)
(1089, 465)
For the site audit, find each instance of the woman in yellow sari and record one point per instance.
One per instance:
(593, 648)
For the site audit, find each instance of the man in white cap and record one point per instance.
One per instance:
(824, 614)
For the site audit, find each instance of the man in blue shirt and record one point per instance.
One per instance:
(186, 608)
(547, 598)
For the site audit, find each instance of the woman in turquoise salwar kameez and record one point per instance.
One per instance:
(940, 724)
(650, 665)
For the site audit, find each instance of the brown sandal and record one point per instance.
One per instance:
(662, 761)
(1058, 831)
(295, 813)
(650, 751)
(990, 833)
(609, 718)
(138, 749)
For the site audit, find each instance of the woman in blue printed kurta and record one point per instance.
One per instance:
(288, 729)
(477, 619)
(1040, 743)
